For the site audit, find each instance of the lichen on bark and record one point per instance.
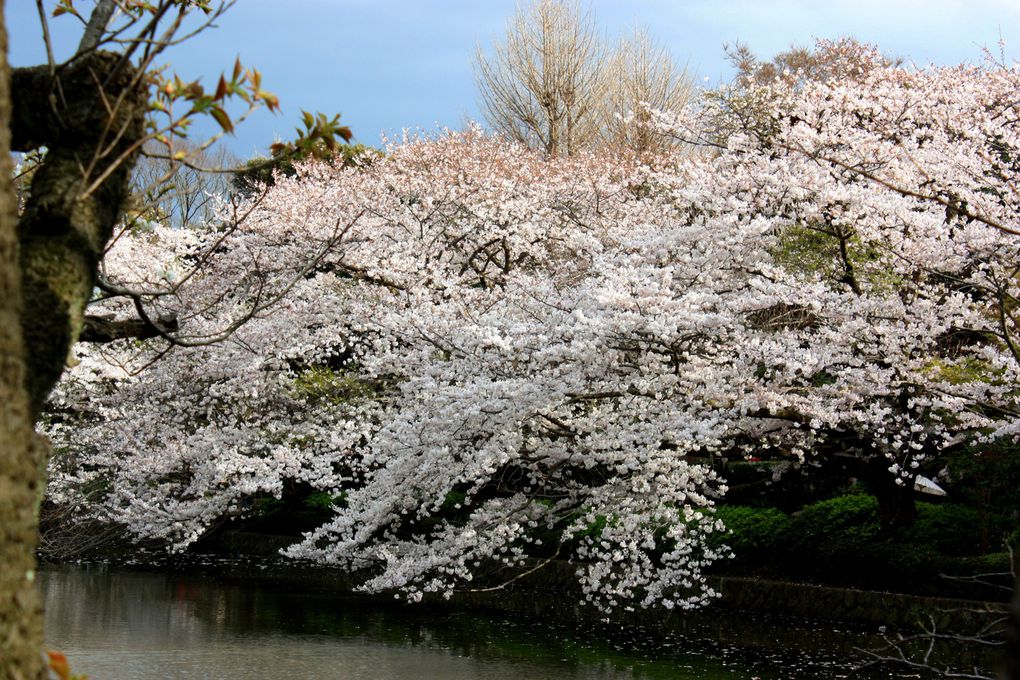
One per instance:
(20, 613)
(92, 119)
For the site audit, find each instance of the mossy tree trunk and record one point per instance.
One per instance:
(20, 616)
(89, 114)
(90, 117)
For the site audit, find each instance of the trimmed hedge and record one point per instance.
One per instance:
(752, 531)
(839, 541)
(835, 525)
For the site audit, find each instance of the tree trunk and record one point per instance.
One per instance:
(91, 132)
(90, 115)
(896, 504)
(21, 639)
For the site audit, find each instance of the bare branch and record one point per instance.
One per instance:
(545, 80)
(96, 26)
(100, 329)
(643, 77)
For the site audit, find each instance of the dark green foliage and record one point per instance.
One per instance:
(454, 500)
(838, 541)
(987, 478)
(266, 507)
(320, 500)
(992, 563)
(952, 529)
(322, 384)
(835, 525)
(822, 378)
(752, 532)
(593, 529)
(259, 172)
(297, 509)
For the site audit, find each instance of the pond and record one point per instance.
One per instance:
(120, 624)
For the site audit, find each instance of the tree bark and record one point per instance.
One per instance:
(21, 637)
(897, 506)
(98, 329)
(90, 115)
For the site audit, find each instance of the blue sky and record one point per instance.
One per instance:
(393, 64)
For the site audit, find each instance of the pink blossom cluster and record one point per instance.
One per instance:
(507, 357)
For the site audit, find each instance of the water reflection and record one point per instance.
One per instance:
(136, 625)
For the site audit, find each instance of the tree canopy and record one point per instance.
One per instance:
(510, 358)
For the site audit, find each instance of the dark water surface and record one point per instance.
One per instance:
(132, 625)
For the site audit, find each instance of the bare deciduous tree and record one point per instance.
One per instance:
(553, 84)
(844, 59)
(176, 194)
(643, 76)
(544, 82)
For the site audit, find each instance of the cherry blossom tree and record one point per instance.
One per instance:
(866, 178)
(435, 402)
(502, 358)
(937, 149)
